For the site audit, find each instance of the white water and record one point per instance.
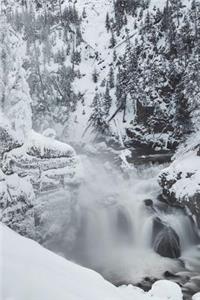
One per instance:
(106, 226)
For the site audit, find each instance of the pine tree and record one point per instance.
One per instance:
(84, 15)
(107, 101)
(97, 118)
(112, 40)
(111, 78)
(114, 56)
(107, 22)
(95, 76)
(183, 114)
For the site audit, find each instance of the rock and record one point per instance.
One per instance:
(139, 137)
(167, 243)
(148, 202)
(146, 283)
(165, 240)
(157, 226)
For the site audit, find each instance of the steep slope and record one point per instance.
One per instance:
(141, 50)
(96, 57)
(118, 70)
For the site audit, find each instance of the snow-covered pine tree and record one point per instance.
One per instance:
(97, 119)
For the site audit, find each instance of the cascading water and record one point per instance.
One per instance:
(115, 224)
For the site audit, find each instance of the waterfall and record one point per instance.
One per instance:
(120, 230)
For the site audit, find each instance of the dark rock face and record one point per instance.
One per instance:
(165, 240)
(167, 243)
(139, 138)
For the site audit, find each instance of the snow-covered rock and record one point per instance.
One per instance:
(28, 271)
(196, 296)
(16, 204)
(48, 162)
(181, 180)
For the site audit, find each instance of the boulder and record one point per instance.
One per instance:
(148, 202)
(165, 240)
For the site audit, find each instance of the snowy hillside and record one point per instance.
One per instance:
(118, 71)
(112, 39)
(95, 56)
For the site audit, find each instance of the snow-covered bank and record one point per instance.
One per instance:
(181, 180)
(31, 272)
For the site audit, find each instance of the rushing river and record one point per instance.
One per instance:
(113, 223)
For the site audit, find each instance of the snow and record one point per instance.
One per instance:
(49, 132)
(157, 3)
(189, 183)
(43, 143)
(96, 40)
(32, 272)
(166, 290)
(196, 297)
